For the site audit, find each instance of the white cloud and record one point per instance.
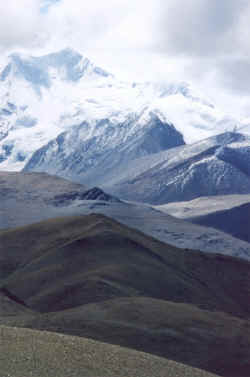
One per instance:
(20, 23)
(204, 41)
(114, 24)
(200, 27)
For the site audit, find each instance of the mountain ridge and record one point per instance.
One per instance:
(94, 277)
(94, 153)
(46, 95)
(32, 197)
(214, 166)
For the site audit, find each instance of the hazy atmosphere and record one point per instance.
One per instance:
(200, 41)
(124, 188)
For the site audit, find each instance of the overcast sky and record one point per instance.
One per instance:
(205, 42)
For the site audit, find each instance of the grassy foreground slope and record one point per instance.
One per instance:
(93, 277)
(208, 340)
(43, 354)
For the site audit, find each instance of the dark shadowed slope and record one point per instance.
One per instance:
(94, 277)
(227, 213)
(11, 305)
(235, 221)
(93, 258)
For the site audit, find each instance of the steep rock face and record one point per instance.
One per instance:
(97, 152)
(216, 166)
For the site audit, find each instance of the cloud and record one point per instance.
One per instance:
(194, 28)
(85, 24)
(200, 27)
(20, 23)
(204, 41)
(234, 74)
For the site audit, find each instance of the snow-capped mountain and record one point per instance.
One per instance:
(42, 97)
(97, 152)
(35, 95)
(219, 165)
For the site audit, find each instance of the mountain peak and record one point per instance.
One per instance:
(67, 63)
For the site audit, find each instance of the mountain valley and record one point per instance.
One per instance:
(124, 225)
